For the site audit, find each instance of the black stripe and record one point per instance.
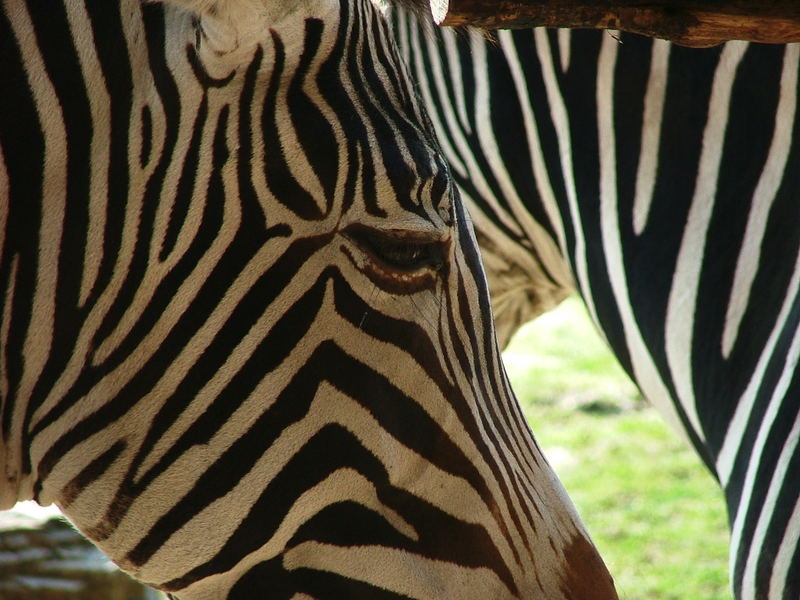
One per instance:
(314, 130)
(22, 140)
(280, 179)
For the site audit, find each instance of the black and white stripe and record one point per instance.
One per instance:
(246, 343)
(665, 183)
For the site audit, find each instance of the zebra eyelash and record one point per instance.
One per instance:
(404, 251)
(398, 262)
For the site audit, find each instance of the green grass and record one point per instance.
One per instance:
(653, 510)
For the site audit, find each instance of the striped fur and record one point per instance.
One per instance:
(246, 343)
(663, 183)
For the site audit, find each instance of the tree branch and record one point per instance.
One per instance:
(688, 22)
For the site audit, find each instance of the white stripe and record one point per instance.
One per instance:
(454, 67)
(685, 283)
(404, 26)
(744, 406)
(551, 259)
(651, 134)
(540, 172)
(644, 369)
(783, 560)
(763, 198)
(100, 107)
(487, 142)
(558, 113)
(54, 184)
(754, 463)
(564, 44)
(483, 121)
(428, 100)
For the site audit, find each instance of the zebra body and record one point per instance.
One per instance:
(246, 344)
(663, 183)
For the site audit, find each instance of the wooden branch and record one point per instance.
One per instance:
(697, 23)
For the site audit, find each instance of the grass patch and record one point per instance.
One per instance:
(653, 510)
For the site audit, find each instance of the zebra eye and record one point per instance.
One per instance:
(405, 254)
(403, 251)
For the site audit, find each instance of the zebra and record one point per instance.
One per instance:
(661, 183)
(246, 342)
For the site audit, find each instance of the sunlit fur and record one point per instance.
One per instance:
(246, 344)
(664, 182)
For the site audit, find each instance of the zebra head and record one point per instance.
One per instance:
(247, 344)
